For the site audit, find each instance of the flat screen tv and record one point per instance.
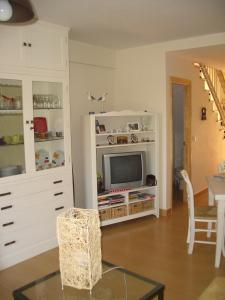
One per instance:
(124, 170)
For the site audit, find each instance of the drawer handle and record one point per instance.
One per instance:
(5, 194)
(57, 181)
(9, 243)
(6, 207)
(57, 194)
(7, 224)
(60, 207)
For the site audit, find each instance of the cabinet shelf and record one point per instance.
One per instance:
(141, 200)
(44, 108)
(5, 145)
(141, 188)
(124, 145)
(48, 140)
(11, 112)
(124, 132)
(111, 205)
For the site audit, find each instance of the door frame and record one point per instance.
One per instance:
(187, 122)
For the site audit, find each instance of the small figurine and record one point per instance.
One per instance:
(134, 138)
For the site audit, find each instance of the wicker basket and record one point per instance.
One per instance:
(79, 238)
(105, 214)
(119, 211)
(135, 208)
(148, 204)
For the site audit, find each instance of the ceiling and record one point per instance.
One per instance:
(119, 24)
(213, 56)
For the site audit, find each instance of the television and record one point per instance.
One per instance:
(124, 170)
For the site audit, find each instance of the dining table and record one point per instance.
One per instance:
(216, 190)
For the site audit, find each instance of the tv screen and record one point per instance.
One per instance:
(125, 169)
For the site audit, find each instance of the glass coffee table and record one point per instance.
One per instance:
(116, 284)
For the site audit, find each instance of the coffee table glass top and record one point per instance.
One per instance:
(116, 284)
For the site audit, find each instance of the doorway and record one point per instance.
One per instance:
(181, 128)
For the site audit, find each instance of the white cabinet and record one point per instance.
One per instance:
(38, 45)
(11, 50)
(35, 141)
(121, 133)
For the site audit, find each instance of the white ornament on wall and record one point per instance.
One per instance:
(101, 99)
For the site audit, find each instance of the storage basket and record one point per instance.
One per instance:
(135, 208)
(117, 212)
(105, 214)
(147, 205)
(79, 238)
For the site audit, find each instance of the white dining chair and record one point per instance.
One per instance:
(221, 167)
(203, 214)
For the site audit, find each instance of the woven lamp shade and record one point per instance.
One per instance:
(79, 238)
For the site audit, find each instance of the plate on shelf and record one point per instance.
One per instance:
(58, 158)
(42, 159)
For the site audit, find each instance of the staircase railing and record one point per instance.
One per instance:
(216, 91)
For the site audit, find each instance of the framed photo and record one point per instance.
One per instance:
(100, 128)
(135, 126)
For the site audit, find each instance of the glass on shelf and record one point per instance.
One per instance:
(46, 101)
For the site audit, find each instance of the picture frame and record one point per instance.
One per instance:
(134, 126)
(100, 128)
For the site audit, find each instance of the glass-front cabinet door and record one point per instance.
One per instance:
(48, 124)
(12, 153)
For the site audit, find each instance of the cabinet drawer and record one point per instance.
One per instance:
(15, 241)
(35, 185)
(26, 211)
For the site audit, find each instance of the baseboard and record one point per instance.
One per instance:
(165, 212)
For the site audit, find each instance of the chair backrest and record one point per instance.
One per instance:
(221, 167)
(190, 194)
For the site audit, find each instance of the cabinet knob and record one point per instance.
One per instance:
(29, 45)
(6, 207)
(32, 121)
(24, 44)
(57, 181)
(58, 208)
(9, 243)
(5, 194)
(7, 224)
(27, 122)
(31, 128)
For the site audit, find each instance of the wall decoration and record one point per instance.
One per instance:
(79, 239)
(203, 113)
(100, 99)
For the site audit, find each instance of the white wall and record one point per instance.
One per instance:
(140, 83)
(208, 145)
(91, 69)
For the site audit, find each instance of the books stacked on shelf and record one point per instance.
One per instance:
(137, 195)
(111, 200)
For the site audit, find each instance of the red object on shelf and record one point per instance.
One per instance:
(40, 125)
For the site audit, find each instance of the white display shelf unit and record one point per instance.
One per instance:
(96, 145)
